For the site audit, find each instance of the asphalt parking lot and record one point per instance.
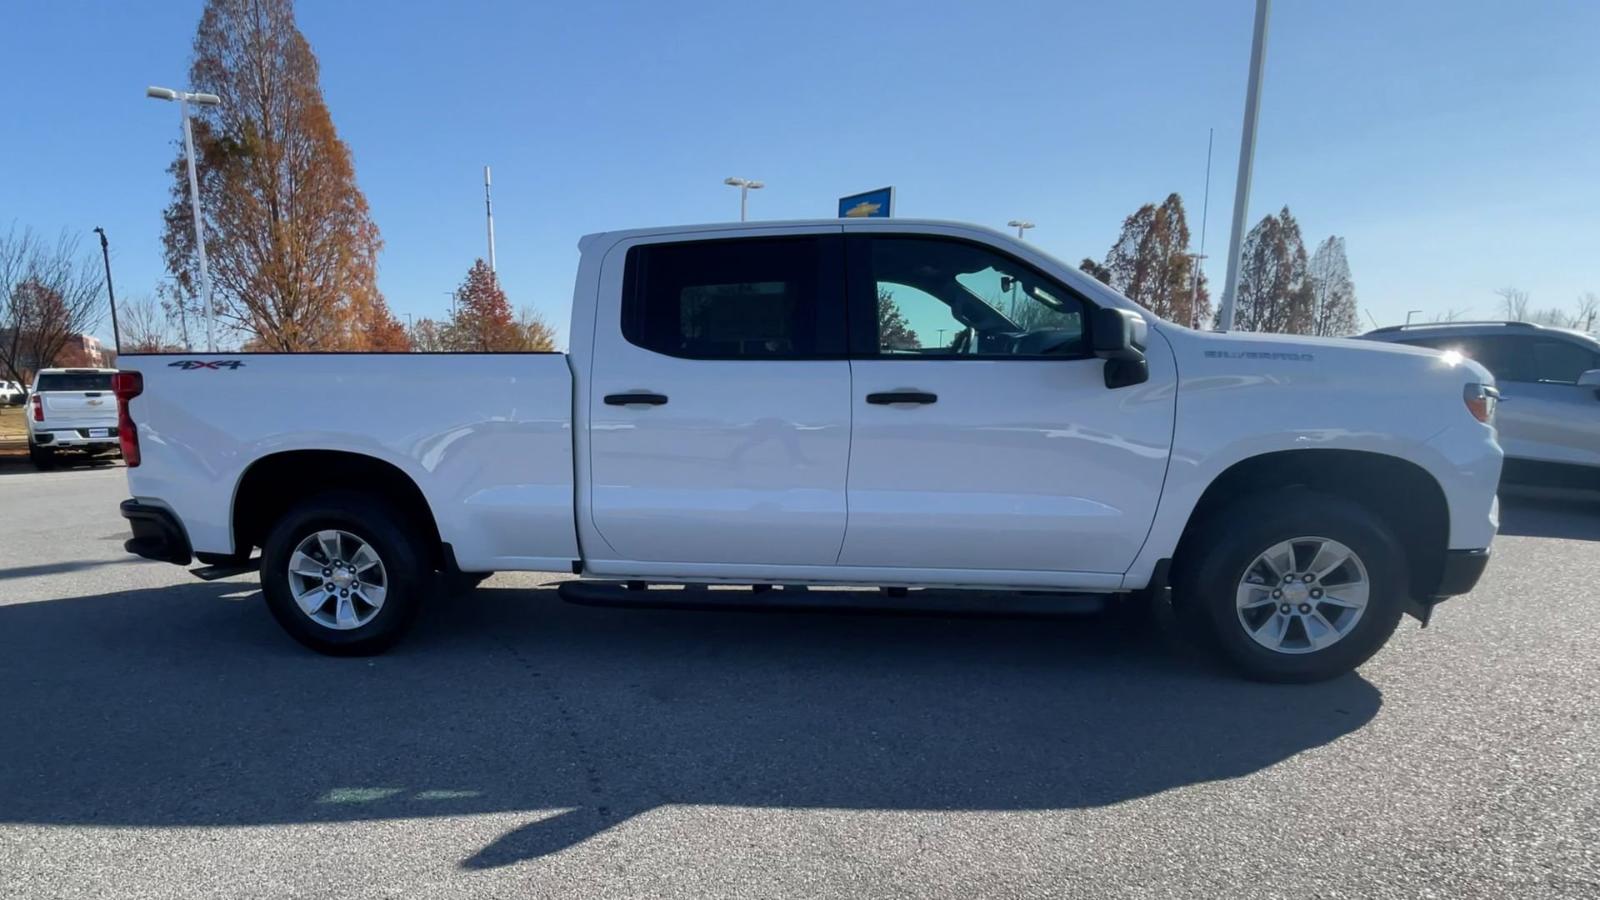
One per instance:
(160, 737)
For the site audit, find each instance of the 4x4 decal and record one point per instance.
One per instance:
(191, 364)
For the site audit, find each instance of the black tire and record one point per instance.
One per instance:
(1211, 566)
(42, 459)
(404, 559)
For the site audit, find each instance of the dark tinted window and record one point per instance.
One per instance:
(75, 381)
(1505, 358)
(1561, 362)
(764, 298)
(1522, 357)
(940, 298)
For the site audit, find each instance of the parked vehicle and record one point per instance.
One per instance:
(1549, 381)
(877, 402)
(71, 410)
(12, 394)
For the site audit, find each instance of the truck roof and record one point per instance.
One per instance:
(878, 224)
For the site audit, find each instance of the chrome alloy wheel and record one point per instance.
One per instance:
(337, 579)
(1302, 595)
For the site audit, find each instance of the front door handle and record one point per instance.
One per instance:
(642, 397)
(887, 397)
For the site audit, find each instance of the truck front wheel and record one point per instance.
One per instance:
(1295, 585)
(342, 575)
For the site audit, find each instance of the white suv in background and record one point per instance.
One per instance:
(11, 394)
(1549, 381)
(71, 409)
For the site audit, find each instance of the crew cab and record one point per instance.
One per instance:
(877, 403)
(71, 410)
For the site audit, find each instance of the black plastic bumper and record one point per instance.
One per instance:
(1460, 572)
(156, 534)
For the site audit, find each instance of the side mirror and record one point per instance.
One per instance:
(1591, 379)
(1119, 337)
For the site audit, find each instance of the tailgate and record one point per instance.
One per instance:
(62, 407)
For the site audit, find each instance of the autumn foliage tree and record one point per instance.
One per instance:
(1095, 270)
(1274, 292)
(482, 320)
(292, 246)
(1150, 264)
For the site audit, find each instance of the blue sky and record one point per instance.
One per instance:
(1455, 145)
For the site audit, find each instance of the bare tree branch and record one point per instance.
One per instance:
(48, 294)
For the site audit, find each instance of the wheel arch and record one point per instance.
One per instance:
(271, 485)
(1403, 494)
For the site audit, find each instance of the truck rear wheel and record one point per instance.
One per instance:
(342, 575)
(1292, 586)
(40, 457)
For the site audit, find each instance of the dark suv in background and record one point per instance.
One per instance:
(1549, 380)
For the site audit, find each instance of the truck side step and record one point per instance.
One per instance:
(797, 598)
(224, 570)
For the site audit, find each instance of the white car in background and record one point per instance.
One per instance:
(12, 394)
(73, 410)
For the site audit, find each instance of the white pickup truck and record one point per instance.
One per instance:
(883, 403)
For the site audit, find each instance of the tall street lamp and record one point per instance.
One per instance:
(1020, 225)
(105, 253)
(185, 98)
(745, 186)
(1247, 158)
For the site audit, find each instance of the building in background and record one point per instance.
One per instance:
(83, 351)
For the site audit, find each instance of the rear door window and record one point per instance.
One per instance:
(760, 298)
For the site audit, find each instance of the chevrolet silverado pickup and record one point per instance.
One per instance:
(71, 410)
(874, 403)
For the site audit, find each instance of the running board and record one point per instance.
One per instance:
(212, 573)
(892, 602)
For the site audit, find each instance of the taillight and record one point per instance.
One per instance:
(1481, 400)
(127, 385)
(38, 408)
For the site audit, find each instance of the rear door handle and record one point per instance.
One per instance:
(887, 397)
(641, 397)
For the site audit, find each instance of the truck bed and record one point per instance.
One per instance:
(487, 438)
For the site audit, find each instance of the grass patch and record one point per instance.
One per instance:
(13, 427)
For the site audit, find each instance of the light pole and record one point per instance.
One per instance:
(1194, 290)
(185, 98)
(1020, 225)
(1410, 313)
(745, 186)
(1247, 156)
(105, 251)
